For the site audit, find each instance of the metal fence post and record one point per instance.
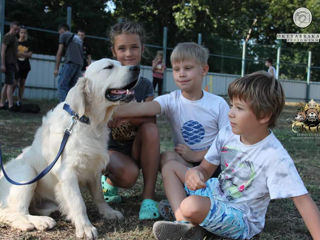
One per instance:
(69, 13)
(308, 76)
(199, 38)
(278, 60)
(2, 19)
(164, 47)
(243, 62)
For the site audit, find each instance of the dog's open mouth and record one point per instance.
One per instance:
(125, 94)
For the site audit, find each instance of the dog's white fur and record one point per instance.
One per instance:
(81, 164)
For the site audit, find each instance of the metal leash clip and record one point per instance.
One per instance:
(73, 122)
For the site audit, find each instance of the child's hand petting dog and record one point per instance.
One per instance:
(194, 179)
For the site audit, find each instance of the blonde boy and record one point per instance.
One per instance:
(255, 169)
(195, 116)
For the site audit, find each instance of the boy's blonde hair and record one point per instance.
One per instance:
(262, 92)
(190, 50)
(127, 27)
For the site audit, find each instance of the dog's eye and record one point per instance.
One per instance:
(108, 67)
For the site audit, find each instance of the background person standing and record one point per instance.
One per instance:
(23, 62)
(86, 50)
(271, 69)
(158, 68)
(71, 69)
(9, 55)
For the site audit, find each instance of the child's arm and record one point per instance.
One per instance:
(58, 59)
(187, 154)
(154, 64)
(135, 121)
(136, 109)
(196, 177)
(310, 214)
(27, 54)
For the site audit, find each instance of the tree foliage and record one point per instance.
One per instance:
(224, 26)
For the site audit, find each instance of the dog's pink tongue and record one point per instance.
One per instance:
(120, 91)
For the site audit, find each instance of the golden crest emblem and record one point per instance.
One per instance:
(307, 118)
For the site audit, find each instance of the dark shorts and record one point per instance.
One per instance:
(123, 147)
(10, 74)
(24, 69)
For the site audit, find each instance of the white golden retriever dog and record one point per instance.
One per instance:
(85, 156)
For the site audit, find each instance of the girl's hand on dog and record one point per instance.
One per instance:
(194, 179)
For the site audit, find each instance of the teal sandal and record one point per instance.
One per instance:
(110, 193)
(165, 211)
(149, 210)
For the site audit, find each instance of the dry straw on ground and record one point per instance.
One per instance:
(283, 221)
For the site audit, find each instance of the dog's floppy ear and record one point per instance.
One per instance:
(77, 96)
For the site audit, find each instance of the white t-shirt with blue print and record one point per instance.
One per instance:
(252, 175)
(194, 123)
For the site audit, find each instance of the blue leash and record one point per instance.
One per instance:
(67, 133)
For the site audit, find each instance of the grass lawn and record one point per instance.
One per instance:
(282, 222)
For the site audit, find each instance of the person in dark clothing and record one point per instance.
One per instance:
(24, 66)
(9, 55)
(71, 69)
(86, 50)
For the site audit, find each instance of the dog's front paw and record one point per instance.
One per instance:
(114, 215)
(42, 222)
(22, 224)
(87, 232)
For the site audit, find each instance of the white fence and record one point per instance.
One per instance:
(41, 83)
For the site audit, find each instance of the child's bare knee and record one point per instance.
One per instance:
(165, 158)
(190, 208)
(165, 169)
(126, 176)
(149, 131)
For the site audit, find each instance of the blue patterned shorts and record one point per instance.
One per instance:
(222, 219)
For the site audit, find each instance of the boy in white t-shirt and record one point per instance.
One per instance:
(195, 116)
(255, 169)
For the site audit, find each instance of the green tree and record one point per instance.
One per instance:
(48, 14)
(224, 26)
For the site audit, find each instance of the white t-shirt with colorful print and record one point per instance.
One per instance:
(194, 123)
(253, 174)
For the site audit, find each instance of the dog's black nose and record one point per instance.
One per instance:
(134, 68)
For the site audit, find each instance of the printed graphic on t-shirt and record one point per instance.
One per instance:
(192, 132)
(237, 174)
(125, 132)
(22, 49)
